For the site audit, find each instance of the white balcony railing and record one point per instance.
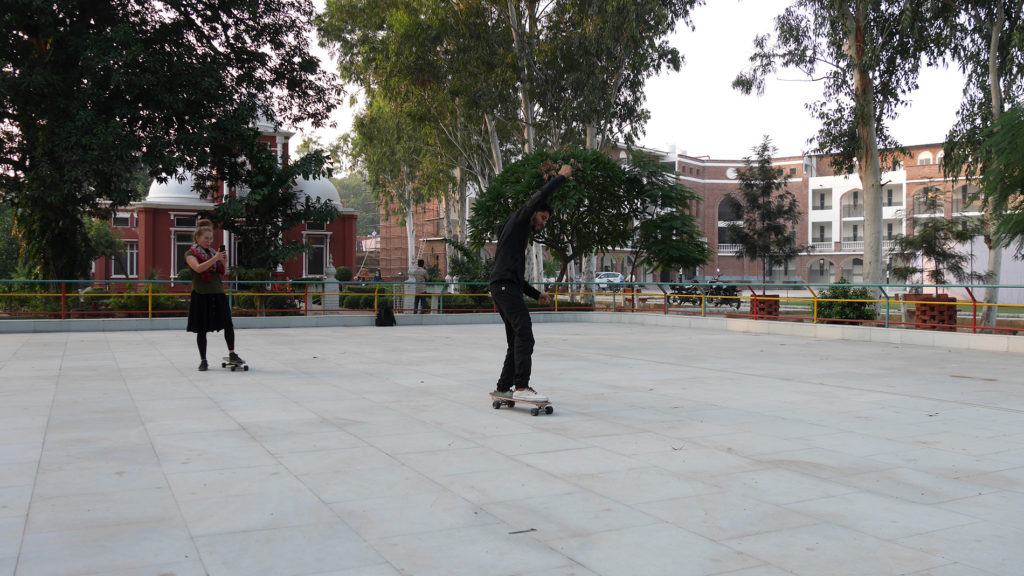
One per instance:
(858, 245)
(824, 246)
(728, 248)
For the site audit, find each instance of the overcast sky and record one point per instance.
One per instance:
(697, 110)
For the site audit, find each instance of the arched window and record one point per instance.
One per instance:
(730, 210)
(924, 158)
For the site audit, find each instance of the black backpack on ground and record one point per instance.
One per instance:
(385, 316)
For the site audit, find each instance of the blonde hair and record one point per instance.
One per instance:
(202, 227)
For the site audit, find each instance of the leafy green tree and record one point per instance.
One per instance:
(937, 242)
(599, 208)
(771, 212)
(103, 241)
(356, 194)
(1003, 176)
(869, 54)
(10, 244)
(667, 235)
(985, 39)
(267, 205)
(595, 60)
(89, 91)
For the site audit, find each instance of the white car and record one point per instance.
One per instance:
(606, 280)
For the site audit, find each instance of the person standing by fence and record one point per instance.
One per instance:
(209, 309)
(419, 274)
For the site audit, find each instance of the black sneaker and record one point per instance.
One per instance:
(235, 358)
(203, 366)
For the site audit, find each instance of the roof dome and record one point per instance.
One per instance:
(177, 189)
(319, 189)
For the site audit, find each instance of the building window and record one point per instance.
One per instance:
(184, 221)
(924, 159)
(792, 171)
(182, 242)
(821, 233)
(121, 220)
(316, 256)
(126, 264)
(888, 231)
(315, 226)
(856, 197)
(855, 230)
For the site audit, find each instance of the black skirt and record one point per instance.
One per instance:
(209, 313)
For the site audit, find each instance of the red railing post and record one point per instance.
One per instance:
(974, 311)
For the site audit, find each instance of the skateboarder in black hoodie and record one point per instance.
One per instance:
(508, 284)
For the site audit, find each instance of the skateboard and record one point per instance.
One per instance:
(234, 365)
(538, 407)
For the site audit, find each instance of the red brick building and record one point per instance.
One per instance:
(831, 224)
(158, 230)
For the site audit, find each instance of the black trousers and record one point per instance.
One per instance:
(515, 372)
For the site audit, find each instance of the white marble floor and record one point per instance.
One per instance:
(370, 451)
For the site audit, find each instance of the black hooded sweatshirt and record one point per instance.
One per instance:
(510, 256)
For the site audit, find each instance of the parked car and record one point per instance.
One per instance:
(608, 281)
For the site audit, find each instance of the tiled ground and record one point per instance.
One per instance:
(373, 452)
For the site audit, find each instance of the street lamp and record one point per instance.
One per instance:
(821, 267)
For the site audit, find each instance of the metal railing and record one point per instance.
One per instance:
(894, 306)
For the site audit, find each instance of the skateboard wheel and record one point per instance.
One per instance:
(534, 411)
(510, 404)
(223, 364)
(548, 409)
(246, 368)
(496, 404)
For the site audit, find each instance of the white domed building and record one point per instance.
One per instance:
(158, 230)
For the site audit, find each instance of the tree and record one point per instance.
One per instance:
(598, 209)
(985, 41)
(356, 194)
(89, 91)
(267, 205)
(667, 236)
(10, 244)
(938, 242)
(499, 79)
(598, 55)
(871, 52)
(1003, 176)
(770, 212)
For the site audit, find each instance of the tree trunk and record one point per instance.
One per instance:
(410, 228)
(869, 168)
(995, 250)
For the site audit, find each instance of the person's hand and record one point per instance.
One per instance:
(565, 170)
(544, 299)
(221, 256)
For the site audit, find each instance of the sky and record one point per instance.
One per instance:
(697, 110)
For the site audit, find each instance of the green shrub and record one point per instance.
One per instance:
(343, 274)
(853, 307)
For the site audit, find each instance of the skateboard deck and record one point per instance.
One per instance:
(538, 407)
(233, 365)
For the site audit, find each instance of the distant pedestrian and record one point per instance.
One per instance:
(508, 284)
(420, 275)
(209, 309)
